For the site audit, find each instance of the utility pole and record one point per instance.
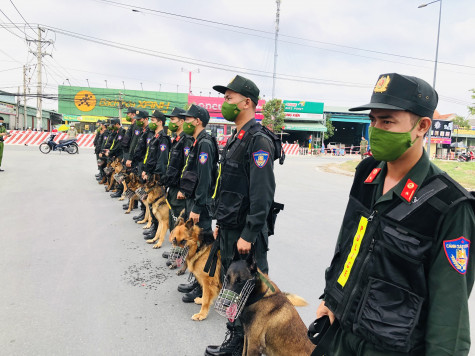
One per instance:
(120, 106)
(189, 77)
(24, 97)
(39, 91)
(277, 16)
(17, 116)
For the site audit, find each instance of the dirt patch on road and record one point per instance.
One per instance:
(336, 169)
(146, 275)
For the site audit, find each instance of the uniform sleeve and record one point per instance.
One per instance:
(448, 328)
(205, 164)
(261, 186)
(127, 137)
(151, 155)
(162, 161)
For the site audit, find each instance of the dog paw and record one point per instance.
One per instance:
(158, 245)
(198, 317)
(149, 241)
(127, 212)
(199, 301)
(180, 272)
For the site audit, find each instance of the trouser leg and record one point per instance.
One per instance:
(2, 144)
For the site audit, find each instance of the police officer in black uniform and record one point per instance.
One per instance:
(199, 175)
(246, 187)
(97, 145)
(116, 149)
(156, 157)
(127, 139)
(139, 149)
(401, 275)
(181, 146)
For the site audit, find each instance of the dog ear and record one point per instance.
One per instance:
(189, 224)
(181, 214)
(251, 260)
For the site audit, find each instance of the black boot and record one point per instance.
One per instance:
(116, 194)
(140, 216)
(150, 236)
(195, 293)
(99, 178)
(125, 206)
(152, 228)
(187, 287)
(232, 344)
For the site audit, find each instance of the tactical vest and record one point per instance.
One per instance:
(232, 188)
(189, 176)
(376, 284)
(176, 161)
(152, 147)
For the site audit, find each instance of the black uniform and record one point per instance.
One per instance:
(116, 146)
(156, 155)
(141, 148)
(127, 140)
(180, 148)
(245, 192)
(198, 178)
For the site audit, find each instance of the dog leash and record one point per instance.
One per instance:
(322, 334)
(210, 266)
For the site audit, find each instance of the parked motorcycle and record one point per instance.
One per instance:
(69, 145)
(466, 157)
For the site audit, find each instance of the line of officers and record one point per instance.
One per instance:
(237, 189)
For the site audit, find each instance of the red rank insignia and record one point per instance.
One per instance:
(409, 190)
(374, 173)
(177, 138)
(241, 134)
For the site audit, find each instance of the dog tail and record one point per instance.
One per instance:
(296, 300)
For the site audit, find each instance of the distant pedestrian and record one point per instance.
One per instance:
(3, 134)
(363, 146)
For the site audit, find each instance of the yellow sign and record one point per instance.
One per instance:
(86, 127)
(382, 84)
(355, 249)
(85, 100)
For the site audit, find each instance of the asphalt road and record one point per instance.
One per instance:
(77, 277)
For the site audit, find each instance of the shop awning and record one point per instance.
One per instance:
(303, 126)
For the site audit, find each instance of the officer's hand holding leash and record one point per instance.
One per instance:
(180, 196)
(243, 246)
(128, 163)
(144, 176)
(195, 217)
(216, 232)
(322, 310)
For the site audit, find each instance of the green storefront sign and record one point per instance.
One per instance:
(105, 102)
(308, 107)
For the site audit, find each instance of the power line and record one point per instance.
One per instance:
(132, 7)
(13, 33)
(22, 31)
(22, 16)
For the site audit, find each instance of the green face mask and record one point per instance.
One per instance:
(152, 126)
(128, 119)
(188, 128)
(230, 111)
(139, 123)
(389, 146)
(172, 127)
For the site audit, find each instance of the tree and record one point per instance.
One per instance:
(461, 123)
(472, 108)
(330, 128)
(273, 112)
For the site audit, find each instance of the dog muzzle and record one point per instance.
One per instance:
(178, 255)
(141, 193)
(119, 177)
(100, 162)
(129, 193)
(229, 303)
(108, 170)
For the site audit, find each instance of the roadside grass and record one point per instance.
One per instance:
(462, 172)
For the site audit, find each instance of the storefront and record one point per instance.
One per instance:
(349, 127)
(304, 123)
(87, 124)
(217, 125)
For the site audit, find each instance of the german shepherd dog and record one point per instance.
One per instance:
(133, 185)
(272, 325)
(118, 167)
(199, 244)
(154, 191)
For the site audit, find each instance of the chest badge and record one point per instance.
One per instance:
(187, 151)
(163, 147)
(148, 140)
(203, 157)
(374, 173)
(260, 158)
(457, 253)
(409, 190)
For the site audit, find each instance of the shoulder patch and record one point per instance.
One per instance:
(148, 140)
(260, 158)
(137, 132)
(187, 151)
(457, 253)
(203, 157)
(119, 137)
(163, 147)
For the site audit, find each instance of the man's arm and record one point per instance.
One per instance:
(448, 328)
(205, 165)
(261, 186)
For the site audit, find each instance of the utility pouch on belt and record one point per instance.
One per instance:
(188, 183)
(275, 208)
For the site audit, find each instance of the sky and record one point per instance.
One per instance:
(328, 51)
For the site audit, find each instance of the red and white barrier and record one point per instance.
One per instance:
(291, 149)
(35, 138)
